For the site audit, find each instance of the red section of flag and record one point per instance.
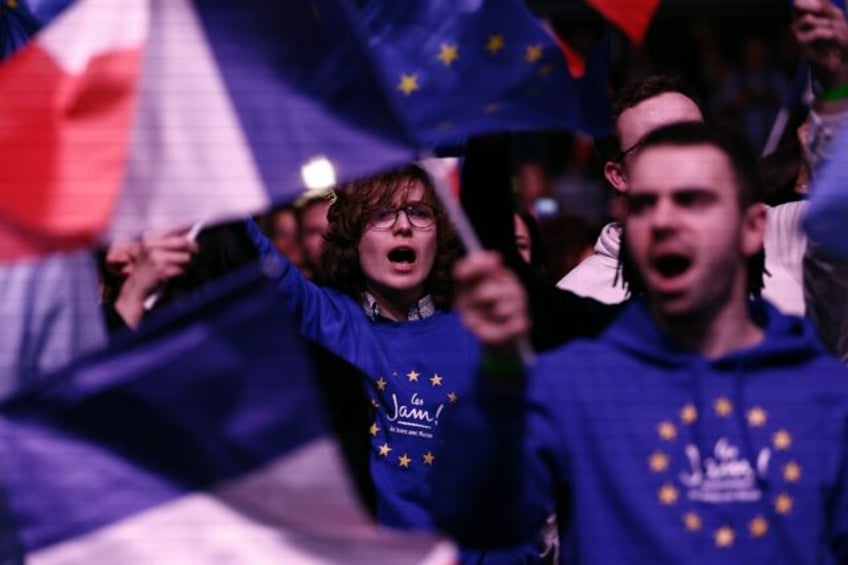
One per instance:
(631, 16)
(573, 59)
(63, 148)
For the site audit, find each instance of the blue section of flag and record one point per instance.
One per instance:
(213, 389)
(304, 86)
(21, 19)
(460, 67)
(825, 218)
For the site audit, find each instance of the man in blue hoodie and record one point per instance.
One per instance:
(701, 427)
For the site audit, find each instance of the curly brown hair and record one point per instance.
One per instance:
(355, 203)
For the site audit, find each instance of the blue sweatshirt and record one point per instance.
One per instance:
(653, 454)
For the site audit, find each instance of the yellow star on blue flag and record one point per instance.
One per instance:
(482, 66)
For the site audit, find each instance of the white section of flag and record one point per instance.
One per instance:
(189, 158)
(88, 28)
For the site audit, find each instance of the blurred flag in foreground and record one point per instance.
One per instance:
(126, 115)
(825, 219)
(458, 68)
(199, 440)
(140, 114)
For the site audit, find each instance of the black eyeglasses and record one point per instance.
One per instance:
(419, 215)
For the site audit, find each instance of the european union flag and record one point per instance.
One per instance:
(460, 67)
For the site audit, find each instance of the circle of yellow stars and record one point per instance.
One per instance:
(404, 460)
(668, 494)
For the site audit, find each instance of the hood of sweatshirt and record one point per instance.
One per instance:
(609, 242)
(787, 339)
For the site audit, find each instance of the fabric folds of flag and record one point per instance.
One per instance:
(458, 68)
(68, 98)
(122, 116)
(239, 99)
(199, 440)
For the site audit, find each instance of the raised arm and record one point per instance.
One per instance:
(322, 314)
(492, 487)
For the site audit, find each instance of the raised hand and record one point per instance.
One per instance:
(161, 257)
(821, 30)
(492, 303)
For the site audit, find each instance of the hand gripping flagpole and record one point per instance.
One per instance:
(469, 239)
(151, 300)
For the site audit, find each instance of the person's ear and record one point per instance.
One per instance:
(753, 229)
(614, 172)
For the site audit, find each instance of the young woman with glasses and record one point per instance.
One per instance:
(388, 257)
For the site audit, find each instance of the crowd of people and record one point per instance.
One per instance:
(678, 404)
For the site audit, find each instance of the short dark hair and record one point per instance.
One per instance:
(649, 87)
(634, 94)
(349, 215)
(746, 173)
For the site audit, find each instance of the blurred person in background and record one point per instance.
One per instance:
(487, 197)
(639, 109)
(134, 270)
(280, 226)
(312, 225)
(140, 276)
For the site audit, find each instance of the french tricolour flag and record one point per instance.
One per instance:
(125, 115)
(201, 439)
